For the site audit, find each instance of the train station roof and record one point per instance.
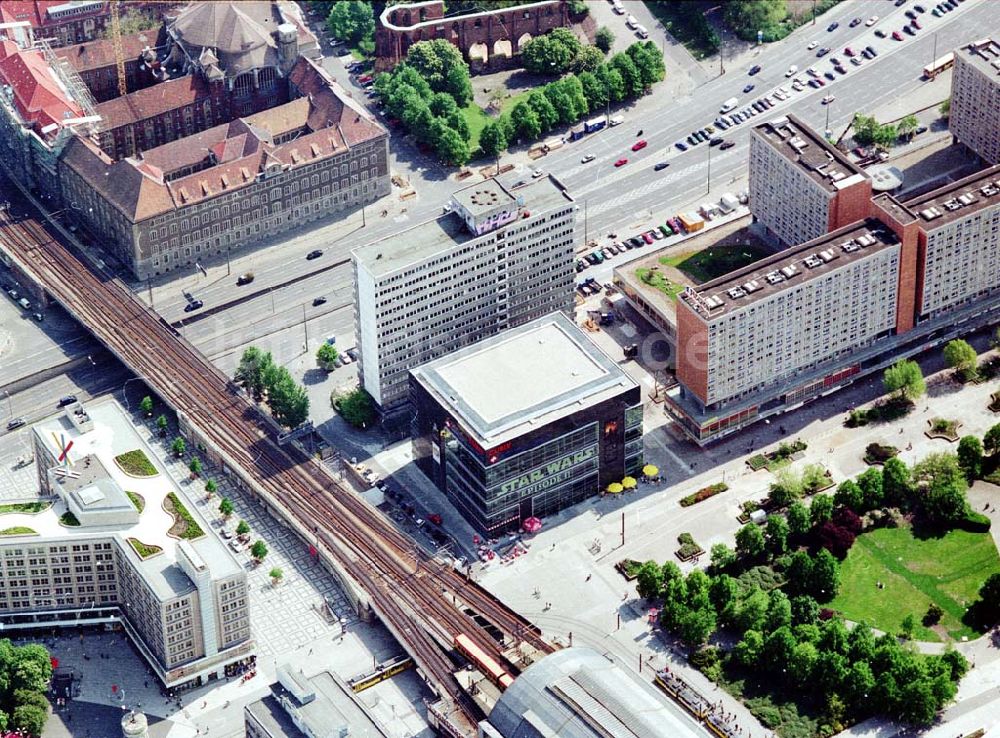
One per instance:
(578, 693)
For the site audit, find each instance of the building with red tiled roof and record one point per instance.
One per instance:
(63, 21)
(231, 184)
(41, 98)
(94, 61)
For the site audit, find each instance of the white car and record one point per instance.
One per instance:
(871, 21)
(617, 7)
(587, 158)
(828, 99)
(813, 45)
(791, 71)
(631, 22)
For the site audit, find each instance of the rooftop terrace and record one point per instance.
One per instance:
(797, 142)
(789, 268)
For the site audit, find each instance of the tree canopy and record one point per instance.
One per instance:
(552, 53)
(351, 20)
(356, 407)
(905, 379)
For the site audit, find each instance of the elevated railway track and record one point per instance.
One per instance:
(422, 602)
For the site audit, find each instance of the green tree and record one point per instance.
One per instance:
(865, 129)
(28, 719)
(542, 107)
(449, 145)
(458, 84)
(896, 482)
(779, 647)
(440, 63)
(611, 79)
(990, 592)
(525, 121)
(493, 138)
(351, 20)
(211, 487)
(630, 75)
(604, 39)
(457, 122)
(885, 136)
(798, 520)
(749, 541)
(907, 626)
(552, 53)
(861, 643)
(970, 457)
(945, 108)
(195, 467)
(696, 626)
(242, 528)
(991, 441)
(179, 446)
(226, 507)
(276, 575)
(905, 379)
(562, 102)
(146, 405)
(944, 484)
(752, 611)
(258, 550)
(825, 576)
(326, 356)
(801, 664)
(805, 610)
(588, 58)
(288, 400)
(754, 15)
(722, 557)
(594, 90)
(750, 648)
(961, 357)
(356, 408)
(253, 366)
(859, 684)
(724, 595)
(779, 610)
(821, 509)
(776, 534)
(799, 573)
(648, 60)
(162, 424)
(786, 488)
(917, 703)
(907, 126)
(849, 495)
(649, 580)
(872, 494)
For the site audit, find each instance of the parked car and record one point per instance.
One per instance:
(681, 145)
(897, 36)
(715, 141)
(67, 400)
(828, 99)
(812, 45)
(816, 83)
(848, 51)
(840, 70)
(754, 69)
(661, 165)
(909, 31)
(916, 24)
(639, 145)
(245, 278)
(314, 254)
(921, 129)
(193, 305)
(857, 61)
(871, 21)
(747, 89)
(822, 52)
(880, 33)
(791, 70)
(647, 238)
(830, 76)
(835, 61)
(621, 162)
(587, 158)
(16, 423)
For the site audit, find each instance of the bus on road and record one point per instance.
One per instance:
(935, 68)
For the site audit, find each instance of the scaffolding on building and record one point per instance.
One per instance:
(71, 80)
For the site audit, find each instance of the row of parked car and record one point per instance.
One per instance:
(672, 227)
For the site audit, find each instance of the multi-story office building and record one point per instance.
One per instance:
(801, 187)
(94, 61)
(803, 323)
(102, 555)
(233, 184)
(525, 423)
(499, 259)
(974, 118)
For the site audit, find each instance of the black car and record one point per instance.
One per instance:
(871, 51)
(727, 144)
(830, 76)
(840, 70)
(754, 69)
(880, 33)
(822, 52)
(591, 258)
(921, 129)
(15, 423)
(747, 89)
(911, 14)
(636, 241)
(832, 27)
(67, 400)
(815, 83)
(715, 141)
(900, 2)
(919, 8)
(193, 305)
(661, 165)
(314, 254)
(857, 21)
(317, 301)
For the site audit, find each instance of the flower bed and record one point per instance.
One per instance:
(144, 550)
(689, 547)
(704, 493)
(69, 519)
(185, 526)
(746, 508)
(137, 500)
(25, 507)
(776, 458)
(135, 463)
(18, 530)
(879, 453)
(942, 428)
(628, 568)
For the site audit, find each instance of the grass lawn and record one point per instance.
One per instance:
(185, 526)
(657, 280)
(687, 24)
(477, 120)
(948, 570)
(509, 103)
(135, 463)
(137, 500)
(703, 266)
(18, 530)
(24, 507)
(145, 550)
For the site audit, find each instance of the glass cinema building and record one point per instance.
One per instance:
(525, 423)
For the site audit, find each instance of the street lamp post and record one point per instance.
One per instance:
(10, 405)
(708, 183)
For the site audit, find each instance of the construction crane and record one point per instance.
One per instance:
(116, 40)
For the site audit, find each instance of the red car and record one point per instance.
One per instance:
(849, 51)
(364, 79)
(647, 238)
(621, 162)
(639, 145)
(897, 35)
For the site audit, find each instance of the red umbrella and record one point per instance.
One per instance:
(532, 524)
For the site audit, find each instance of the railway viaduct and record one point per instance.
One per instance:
(489, 41)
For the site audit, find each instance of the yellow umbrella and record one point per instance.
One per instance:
(629, 483)
(615, 488)
(650, 471)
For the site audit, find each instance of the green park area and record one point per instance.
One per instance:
(701, 266)
(945, 569)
